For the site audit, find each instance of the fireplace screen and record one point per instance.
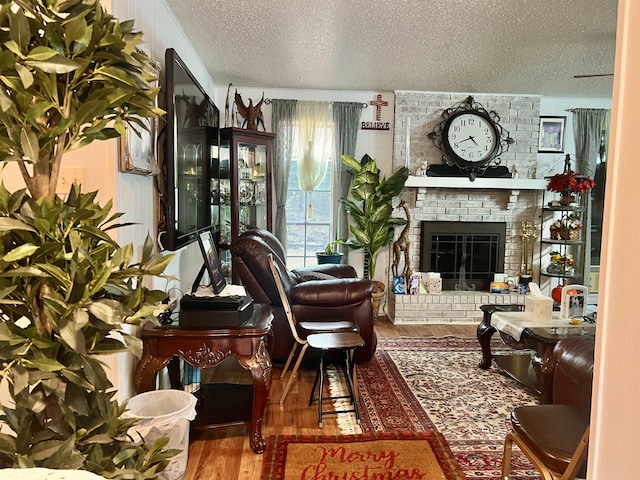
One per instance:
(446, 247)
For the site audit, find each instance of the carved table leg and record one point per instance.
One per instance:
(260, 367)
(544, 367)
(484, 333)
(146, 372)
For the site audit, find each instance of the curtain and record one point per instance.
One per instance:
(590, 131)
(314, 122)
(282, 121)
(346, 117)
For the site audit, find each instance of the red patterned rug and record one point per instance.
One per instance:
(434, 384)
(366, 457)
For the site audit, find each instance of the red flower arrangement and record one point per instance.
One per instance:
(570, 182)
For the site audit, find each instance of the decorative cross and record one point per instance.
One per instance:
(379, 103)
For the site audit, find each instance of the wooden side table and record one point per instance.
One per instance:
(206, 348)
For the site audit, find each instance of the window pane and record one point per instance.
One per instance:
(321, 202)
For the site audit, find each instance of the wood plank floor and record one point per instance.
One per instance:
(224, 453)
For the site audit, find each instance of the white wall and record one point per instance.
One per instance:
(134, 194)
(550, 163)
(615, 421)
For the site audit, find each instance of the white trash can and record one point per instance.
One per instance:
(165, 413)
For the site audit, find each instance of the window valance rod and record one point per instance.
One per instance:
(267, 101)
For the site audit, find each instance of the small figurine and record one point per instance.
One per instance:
(252, 114)
(421, 171)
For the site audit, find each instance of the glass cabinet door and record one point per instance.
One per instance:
(245, 187)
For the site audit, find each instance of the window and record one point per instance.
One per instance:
(308, 234)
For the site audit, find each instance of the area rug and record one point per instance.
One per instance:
(363, 457)
(434, 384)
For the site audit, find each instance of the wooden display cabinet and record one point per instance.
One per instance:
(246, 196)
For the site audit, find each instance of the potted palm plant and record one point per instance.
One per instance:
(370, 208)
(71, 74)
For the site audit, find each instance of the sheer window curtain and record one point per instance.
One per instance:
(346, 116)
(589, 127)
(283, 113)
(314, 122)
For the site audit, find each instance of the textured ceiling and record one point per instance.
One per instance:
(474, 46)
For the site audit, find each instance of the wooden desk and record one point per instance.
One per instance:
(205, 348)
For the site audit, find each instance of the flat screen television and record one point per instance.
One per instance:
(190, 160)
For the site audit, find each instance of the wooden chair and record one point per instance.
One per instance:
(553, 437)
(304, 330)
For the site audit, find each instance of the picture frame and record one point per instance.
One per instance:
(551, 136)
(211, 260)
(137, 149)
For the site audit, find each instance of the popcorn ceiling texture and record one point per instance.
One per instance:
(520, 116)
(508, 46)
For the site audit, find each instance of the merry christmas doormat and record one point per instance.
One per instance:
(399, 456)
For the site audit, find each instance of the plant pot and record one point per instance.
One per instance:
(328, 258)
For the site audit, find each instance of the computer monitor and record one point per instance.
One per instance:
(211, 261)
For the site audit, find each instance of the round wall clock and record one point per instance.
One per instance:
(470, 137)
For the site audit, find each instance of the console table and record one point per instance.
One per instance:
(535, 371)
(206, 348)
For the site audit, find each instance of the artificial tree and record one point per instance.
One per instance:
(373, 227)
(71, 74)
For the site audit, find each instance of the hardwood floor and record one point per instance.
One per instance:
(224, 453)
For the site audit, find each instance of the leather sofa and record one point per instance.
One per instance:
(573, 374)
(320, 293)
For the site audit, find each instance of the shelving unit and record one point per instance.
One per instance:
(245, 188)
(566, 244)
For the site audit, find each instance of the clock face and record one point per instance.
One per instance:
(470, 138)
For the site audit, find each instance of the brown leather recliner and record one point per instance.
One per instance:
(314, 293)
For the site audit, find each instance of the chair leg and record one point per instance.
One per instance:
(320, 389)
(288, 362)
(506, 456)
(293, 373)
(578, 458)
(312, 396)
(348, 373)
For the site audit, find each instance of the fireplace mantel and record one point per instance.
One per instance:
(486, 183)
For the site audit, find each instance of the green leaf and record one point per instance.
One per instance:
(73, 337)
(18, 253)
(8, 224)
(5, 102)
(44, 364)
(57, 65)
(29, 145)
(41, 53)
(109, 311)
(25, 75)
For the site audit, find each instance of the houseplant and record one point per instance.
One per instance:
(71, 74)
(371, 208)
(329, 255)
(569, 183)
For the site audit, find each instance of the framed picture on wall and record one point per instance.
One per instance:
(137, 148)
(551, 139)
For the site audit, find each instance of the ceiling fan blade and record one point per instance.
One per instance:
(594, 75)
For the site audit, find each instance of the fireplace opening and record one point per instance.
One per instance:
(445, 247)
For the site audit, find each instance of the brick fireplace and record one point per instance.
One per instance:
(438, 199)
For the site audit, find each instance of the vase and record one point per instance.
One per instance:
(567, 198)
